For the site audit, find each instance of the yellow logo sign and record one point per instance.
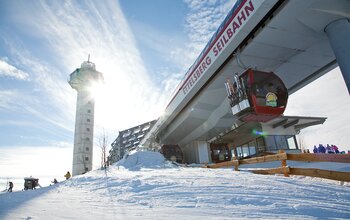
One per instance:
(271, 99)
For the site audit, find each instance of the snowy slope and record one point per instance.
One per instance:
(144, 186)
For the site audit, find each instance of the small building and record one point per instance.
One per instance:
(128, 140)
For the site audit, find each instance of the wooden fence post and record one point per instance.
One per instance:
(236, 164)
(284, 165)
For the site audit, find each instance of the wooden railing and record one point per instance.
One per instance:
(284, 169)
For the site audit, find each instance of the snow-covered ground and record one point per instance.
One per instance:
(144, 186)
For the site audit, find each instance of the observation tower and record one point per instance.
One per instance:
(82, 79)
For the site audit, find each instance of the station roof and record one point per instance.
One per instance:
(299, 122)
(246, 130)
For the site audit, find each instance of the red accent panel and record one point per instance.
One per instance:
(269, 110)
(258, 118)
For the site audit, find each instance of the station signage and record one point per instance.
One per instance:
(224, 38)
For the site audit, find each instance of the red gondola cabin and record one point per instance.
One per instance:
(257, 96)
(172, 153)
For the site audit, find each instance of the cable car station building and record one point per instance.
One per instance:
(247, 140)
(236, 91)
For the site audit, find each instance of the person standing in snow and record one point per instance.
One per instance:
(315, 149)
(321, 149)
(329, 149)
(335, 149)
(67, 175)
(10, 187)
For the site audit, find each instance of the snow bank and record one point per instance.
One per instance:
(143, 159)
(178, 193)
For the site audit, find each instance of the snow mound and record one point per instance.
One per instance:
(144, 159)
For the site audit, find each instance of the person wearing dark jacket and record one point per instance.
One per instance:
(321, 149)
(10, 187)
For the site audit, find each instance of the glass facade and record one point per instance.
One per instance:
(260, 144)
(292, 143)
(245, 150)
(266, 143)
(280, 142)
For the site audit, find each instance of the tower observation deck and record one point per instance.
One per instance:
(81, 80)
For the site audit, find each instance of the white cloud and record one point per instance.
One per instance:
(18, 102)
(5, 99)
(73, 31)
(49, 84)
(201, 22)
(9, 70)
(204, 18)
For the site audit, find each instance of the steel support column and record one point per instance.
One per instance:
(338, 33)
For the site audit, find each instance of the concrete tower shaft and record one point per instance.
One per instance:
(81, 80)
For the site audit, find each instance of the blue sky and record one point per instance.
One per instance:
(143, 48)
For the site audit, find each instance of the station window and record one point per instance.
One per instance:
(87, 139)
(88, 111)
(86, 169)
(270, 143)
(278, 142)
(87, 149)
(88, 120)
(260, 144)
(281, 142)
(252, 150)
(88, 129)
(246, 149)
(239, 152)
(291, 142)
(86, 158)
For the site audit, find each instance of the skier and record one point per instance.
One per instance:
(10, 187)
(67, 175)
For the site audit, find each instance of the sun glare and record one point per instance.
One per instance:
(101, 93)
(96, 89)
